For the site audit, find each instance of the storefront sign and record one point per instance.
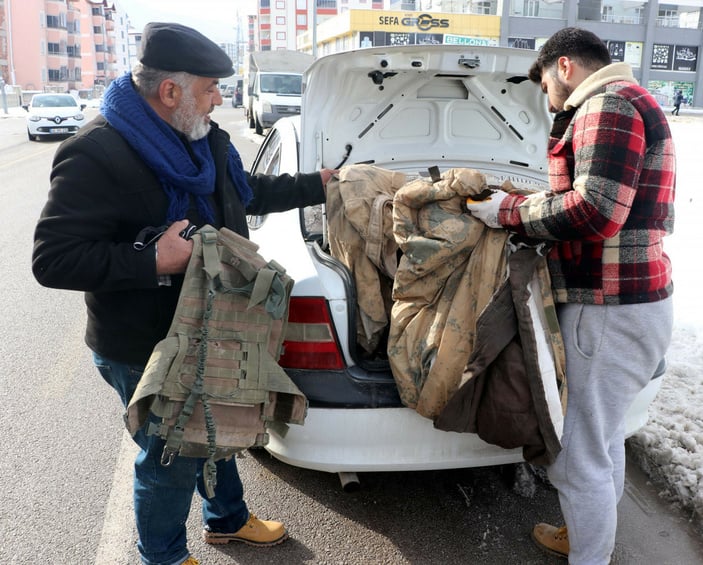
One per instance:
(625, 51)
(675, 57)
(423, 22)
(662, 56)
(685, 58)
(465, 40)
(521, 42)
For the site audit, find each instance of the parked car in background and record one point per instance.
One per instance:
(402, 108)
(52, 114)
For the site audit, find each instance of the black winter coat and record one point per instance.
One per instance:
(102, 195)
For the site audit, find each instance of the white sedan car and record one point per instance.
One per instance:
(401, 108)
(52, 114)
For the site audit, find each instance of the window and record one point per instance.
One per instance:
(269, 164)
(484, 7)
(301, 20)
(668, 18)
(52, 21)
(280, 20)
(280, 5)
(611, 11)
(281, 35)
(53, 48)
(54, 75)
(533, 8)
(301, 5)
(97, 30)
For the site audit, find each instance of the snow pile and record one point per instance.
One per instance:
(670, 446)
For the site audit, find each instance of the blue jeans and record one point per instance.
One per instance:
(163, 495)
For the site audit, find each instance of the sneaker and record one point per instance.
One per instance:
(262, 533)
(551, 539)
(191, 561)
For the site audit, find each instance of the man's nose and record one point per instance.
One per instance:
(217, 99)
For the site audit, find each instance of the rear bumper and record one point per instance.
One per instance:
(379, 439)
(394, 438)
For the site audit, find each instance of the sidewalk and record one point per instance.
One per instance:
(14, 112)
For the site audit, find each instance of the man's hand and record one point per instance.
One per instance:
(326, 175)
(486, 209)
(173, 251)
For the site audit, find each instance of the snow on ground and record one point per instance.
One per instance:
(670, 447)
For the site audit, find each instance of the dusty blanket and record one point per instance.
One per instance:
(360, 227)
(450, 268)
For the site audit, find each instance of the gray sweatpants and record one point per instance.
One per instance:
(611, 353)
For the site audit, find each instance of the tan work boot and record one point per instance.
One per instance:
(262, 533)
(551, 539)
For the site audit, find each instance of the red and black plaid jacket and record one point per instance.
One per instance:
(612, 179)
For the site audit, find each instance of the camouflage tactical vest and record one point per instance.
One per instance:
(213, 384)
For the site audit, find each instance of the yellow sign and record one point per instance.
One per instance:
(425, 22)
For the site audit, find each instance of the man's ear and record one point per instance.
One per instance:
(565, 67)
(169, 93)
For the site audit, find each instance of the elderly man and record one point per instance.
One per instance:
(611, 202)
(155, 158)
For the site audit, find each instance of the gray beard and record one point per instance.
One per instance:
(188, 122)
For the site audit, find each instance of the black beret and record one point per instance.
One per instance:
(175, 47)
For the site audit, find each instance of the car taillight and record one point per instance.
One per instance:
(310, 340)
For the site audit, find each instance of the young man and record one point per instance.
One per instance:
(610, 203)
(155, 158)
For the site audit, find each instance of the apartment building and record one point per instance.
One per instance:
(67, 44)
(61, 45)
(277, 23)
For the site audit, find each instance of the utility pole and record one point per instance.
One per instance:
(313, 27)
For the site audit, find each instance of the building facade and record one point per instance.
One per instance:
(60, 45)
(661, 41)
(85, 44)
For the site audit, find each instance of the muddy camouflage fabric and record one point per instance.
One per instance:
(451, 282)
(360, 231)
(450, 268)
(513, 390)
(452, 304)
(228, 328)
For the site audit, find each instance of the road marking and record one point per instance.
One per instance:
(118, 538)
(8, 164)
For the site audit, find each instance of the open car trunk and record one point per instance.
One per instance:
(412, 108)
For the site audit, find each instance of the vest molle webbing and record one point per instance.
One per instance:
(213, 384)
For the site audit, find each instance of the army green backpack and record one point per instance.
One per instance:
(213, 384)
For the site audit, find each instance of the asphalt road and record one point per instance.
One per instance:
(66, 459)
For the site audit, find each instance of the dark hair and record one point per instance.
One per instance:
(583, 46)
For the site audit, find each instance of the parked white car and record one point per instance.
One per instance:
(402, 108)
(52, 114)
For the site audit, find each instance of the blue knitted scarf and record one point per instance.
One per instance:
(161, 148)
